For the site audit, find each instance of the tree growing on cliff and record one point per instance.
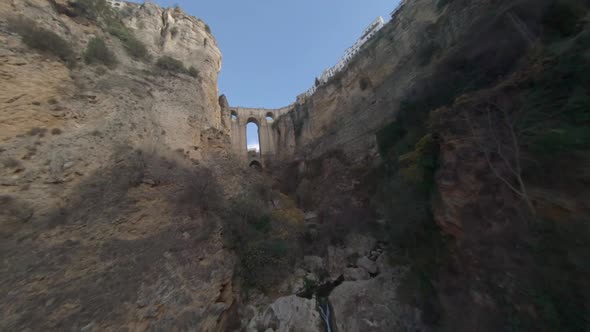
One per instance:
(494, 132)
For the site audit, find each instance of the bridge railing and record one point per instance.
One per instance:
(350, 52)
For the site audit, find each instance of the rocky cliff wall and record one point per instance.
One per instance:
(391, 68)
(186, 38)
(471, 107)
(92, 161)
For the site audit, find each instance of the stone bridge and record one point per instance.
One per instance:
(263, 118)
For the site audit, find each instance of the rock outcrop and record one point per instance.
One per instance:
(373, 305)
(346, 112)
(94, 164)
(174, 33)
(291, 313)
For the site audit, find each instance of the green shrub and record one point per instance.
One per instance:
(265, 263)
(98, 52)
(556, 112)
(101, 13)
(298, 117)
(172, 65)
(91, 9)
(262, 238)
(42, 39)
(48, 41)
(208, 28)
(262, 224)
(405, 197)
(126, 12)
(174, 32)
(134, 47)
(412, 231)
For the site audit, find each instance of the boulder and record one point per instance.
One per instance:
(361, 244)
(382, 263)
(336, 261)
(372, 305)
(296, 282)
(367, 264)
(354, 274)
(290, 313)
(313, 263)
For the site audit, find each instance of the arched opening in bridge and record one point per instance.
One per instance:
(234, 116)
(269, 117)
(252, 139)
(255, 164)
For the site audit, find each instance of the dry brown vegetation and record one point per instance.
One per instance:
(264, 236)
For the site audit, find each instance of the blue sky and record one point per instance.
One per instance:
(273, 50)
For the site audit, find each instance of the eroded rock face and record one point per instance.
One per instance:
(368, 265)
(354, 253)
(337, 261)
(92, 160)
(372, 305)
(390, 69)
(346, 112)
(354, 274)
(286, 314)
(174, 33)
(313, 263)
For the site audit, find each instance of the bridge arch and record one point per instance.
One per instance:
(253, 120)
(263, 118)
(253, 144)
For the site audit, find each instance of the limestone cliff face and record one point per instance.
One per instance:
(436, 73)
(186, 38)
(393, 67)
(92, 159)
(347, 111)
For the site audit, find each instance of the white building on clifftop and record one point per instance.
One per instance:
(350, 52)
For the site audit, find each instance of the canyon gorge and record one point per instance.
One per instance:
(438, 182)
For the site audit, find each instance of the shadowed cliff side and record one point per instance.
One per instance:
(462, 127)
(108, 121)
(438, 183)
(400, 62)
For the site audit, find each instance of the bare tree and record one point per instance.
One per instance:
(499, 139)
